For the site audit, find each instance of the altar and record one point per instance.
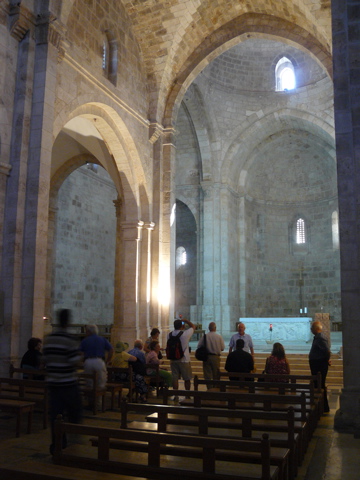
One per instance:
(283, 328)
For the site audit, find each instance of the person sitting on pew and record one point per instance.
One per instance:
(152, 357)
(277, 363)
(154, 337)
(137, 351)
(33, 359)
(122, 359)
(239, 360)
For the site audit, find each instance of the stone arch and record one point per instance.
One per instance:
(204, 129)
(248, 140)
(238, 29)
(125, 166)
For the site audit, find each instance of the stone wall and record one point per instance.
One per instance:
(83, 276)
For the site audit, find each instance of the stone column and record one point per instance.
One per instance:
(346, 48)
(25, 225)
(5, 170)
(118, 306)
(206, 312)
(139, 277)
(150, 228)
(163, 237)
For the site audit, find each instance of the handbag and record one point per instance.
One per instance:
(201, 353)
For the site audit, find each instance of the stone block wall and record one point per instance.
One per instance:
(83, 275)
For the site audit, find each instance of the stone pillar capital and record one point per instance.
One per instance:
(169, 134)
(150, 226)
(5, 169)
(155, 131)
(21, 20)
(118, 204)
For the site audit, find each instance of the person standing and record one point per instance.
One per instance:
(214, 345)
(244, 336)
(181, 367)
(239, 360)
(97, 354)
(62, 357)
(319, 358)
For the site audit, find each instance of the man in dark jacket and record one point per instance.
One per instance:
(239, 360)
(319, 357)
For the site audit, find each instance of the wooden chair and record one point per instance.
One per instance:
(114, 375)
(155, 380)
(89, 388)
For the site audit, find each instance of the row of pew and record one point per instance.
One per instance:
(225, 429)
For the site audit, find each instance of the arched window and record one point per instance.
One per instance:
(335, 229)
(181, 257)
(109, 57)
(285, 75)
(299, 236)
(300, 231)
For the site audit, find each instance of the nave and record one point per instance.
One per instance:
(330, 455)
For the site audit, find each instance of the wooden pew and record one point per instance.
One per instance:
(26, 373)
(315, 402)
(31, 374)
(155, 379)
(89, 388)
(223, 423)
(251, 401)
(18, 407)
(218, 460)
(113, 375)
(26, 390)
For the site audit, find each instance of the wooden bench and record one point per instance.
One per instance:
(155, 380)
(18, 407)
(26, 373)
(26, 390)
(315, 401)
(251, 401)
(114, 375)
(89, 388)
(212, 460)
(41, 470)
(223, 424)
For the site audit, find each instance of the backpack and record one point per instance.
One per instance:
(174, 350)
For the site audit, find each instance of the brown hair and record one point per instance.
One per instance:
(153, 344)
(278, 351)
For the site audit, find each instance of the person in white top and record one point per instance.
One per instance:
(181, 368)
(214, 345)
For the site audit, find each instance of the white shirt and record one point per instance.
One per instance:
(214, 343)
(184, 339)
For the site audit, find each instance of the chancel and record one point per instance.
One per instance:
(282, 329)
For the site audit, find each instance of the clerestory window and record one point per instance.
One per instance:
(109, 57)
(284, 75)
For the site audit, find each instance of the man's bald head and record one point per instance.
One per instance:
(316, 327)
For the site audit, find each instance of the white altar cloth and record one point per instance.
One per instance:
(283, 328)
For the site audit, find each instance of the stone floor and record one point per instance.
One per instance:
(331, 455)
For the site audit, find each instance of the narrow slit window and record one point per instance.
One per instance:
(300, 231)
(335, 229)
(181, 257)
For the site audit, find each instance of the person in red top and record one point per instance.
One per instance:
(277, 363)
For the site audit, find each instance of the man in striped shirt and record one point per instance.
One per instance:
(62, 356)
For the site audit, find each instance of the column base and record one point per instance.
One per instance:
(347, 417)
